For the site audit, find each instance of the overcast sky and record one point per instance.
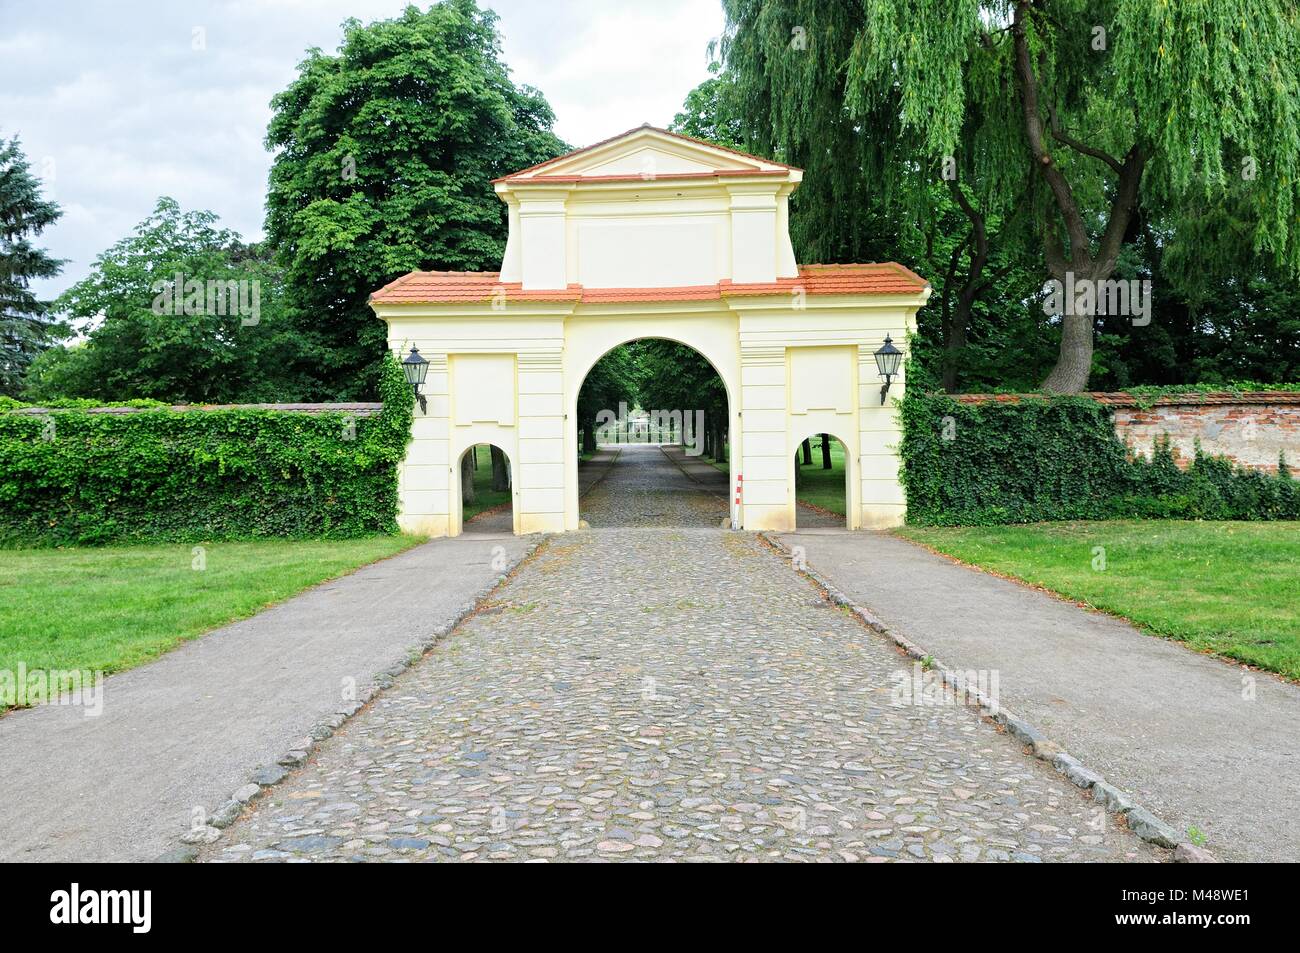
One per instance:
(114, 106)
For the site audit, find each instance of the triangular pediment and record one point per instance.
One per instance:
(647, 151)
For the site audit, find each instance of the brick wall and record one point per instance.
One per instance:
(1251, 429)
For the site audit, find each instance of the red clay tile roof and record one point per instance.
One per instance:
(475, 287)
(454, 287)
(622, 178)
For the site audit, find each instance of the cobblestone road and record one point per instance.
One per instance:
(654, 694)
(646, 489)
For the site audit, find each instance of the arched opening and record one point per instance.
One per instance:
(486, 483)
(653, 426)
(823, 482)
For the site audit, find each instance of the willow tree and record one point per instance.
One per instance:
(874, 189)
(1077, 113)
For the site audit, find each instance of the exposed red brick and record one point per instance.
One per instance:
(1251, 429)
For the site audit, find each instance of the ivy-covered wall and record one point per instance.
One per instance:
(75, 477)
(1058, 458)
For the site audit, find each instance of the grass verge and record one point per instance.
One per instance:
(1224, 587)
(115, 607)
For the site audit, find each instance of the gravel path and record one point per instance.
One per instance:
(1199, 741)
(667, 694)
(182, 733)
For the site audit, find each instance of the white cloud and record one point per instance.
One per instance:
(115, 105)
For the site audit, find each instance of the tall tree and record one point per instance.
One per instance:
(1078, 111)
(865, 196)
(25, 328)
(708, 114)
(672, 376)
(216, 334)
(613, 380)
(385, 154)
(500, 469)
(468, 463)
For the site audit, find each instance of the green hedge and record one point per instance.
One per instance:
(74, 477)
(1058, 458)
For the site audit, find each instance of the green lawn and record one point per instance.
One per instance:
(484, 496)
(1229, 588)
(112, 608)
(822, 488)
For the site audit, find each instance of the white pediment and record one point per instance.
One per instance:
(650, 160)
(648, 209)
(648, 151)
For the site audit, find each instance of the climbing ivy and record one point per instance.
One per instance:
(1146, 396)
(72, 477)
(1058, 458)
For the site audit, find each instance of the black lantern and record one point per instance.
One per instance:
(888, 358)
(416, 370)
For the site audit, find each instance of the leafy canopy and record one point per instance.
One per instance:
(385, 154)
(1070, 121)
(139, 346)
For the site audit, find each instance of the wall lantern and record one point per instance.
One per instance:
(888, 358)
(416, 370)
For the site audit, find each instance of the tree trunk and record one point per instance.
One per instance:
(467, 477)
(948, 360)
(500, 475)
(1074, 362)
(798, 471)
(957, 322)
(826, 451)
(807, 453)
(589, 436)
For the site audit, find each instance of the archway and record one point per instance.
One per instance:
(483, 480)
(823, 482)
(652, 432)
(599, 254)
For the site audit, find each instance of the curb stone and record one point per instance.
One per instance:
(1142, 822)
(268, 776)
(178, 855)
(1186, 853)
(1150, 828)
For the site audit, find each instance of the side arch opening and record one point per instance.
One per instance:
(823, 482)
(484, 476)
